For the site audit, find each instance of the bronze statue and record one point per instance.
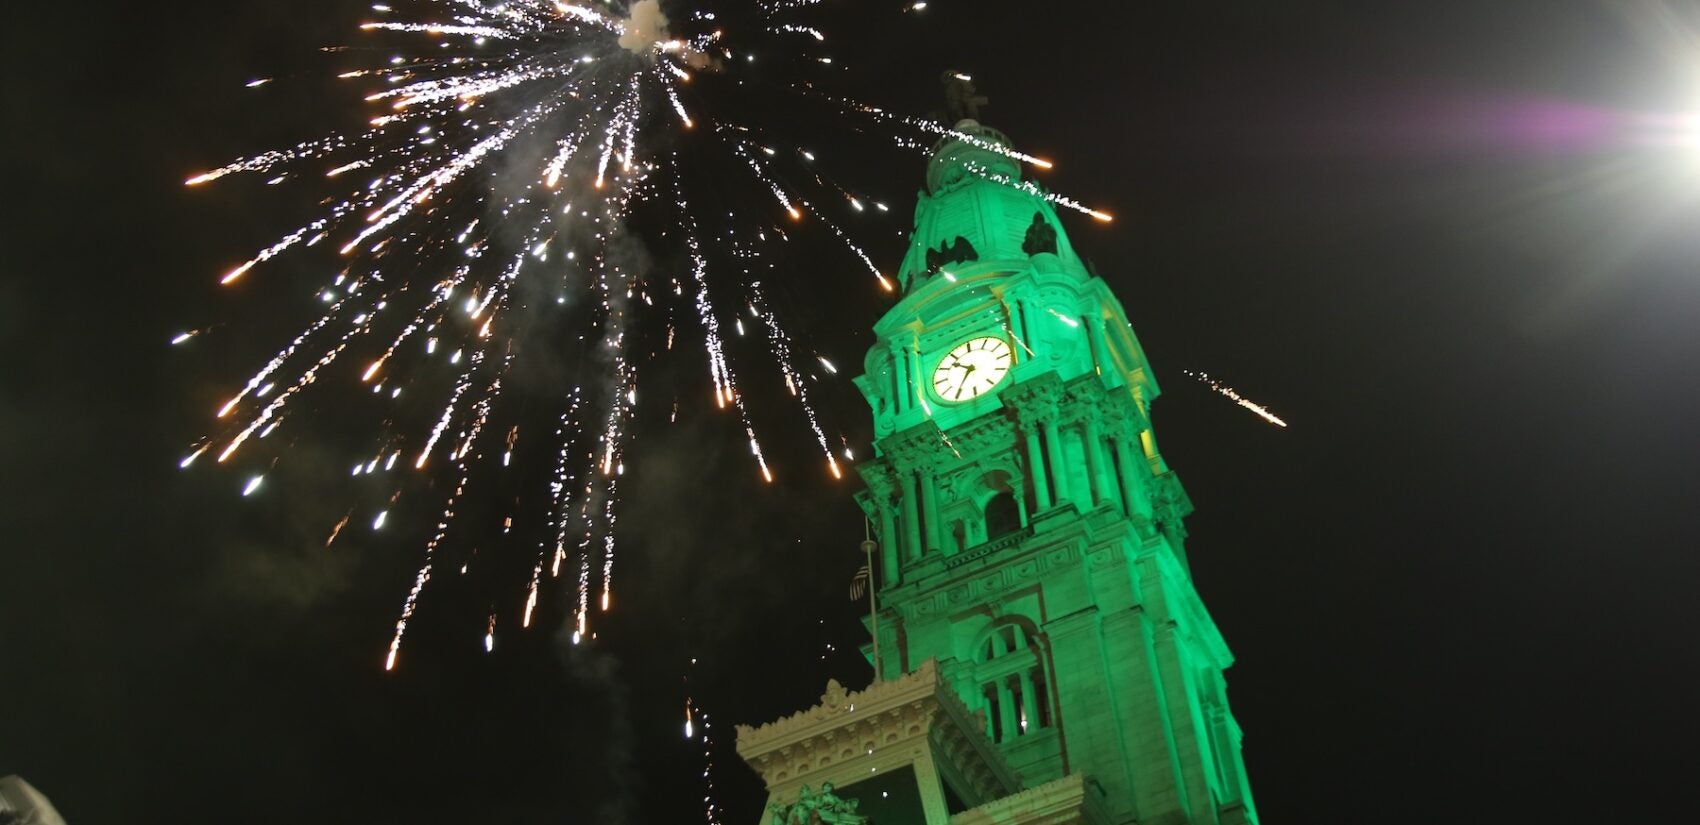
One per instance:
(1041, 237)
(960, 100)
(802, 813)
(958, 251)
(831, 809)
(825, 808)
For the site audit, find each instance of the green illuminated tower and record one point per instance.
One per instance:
(1043, 654)
(1031, 534)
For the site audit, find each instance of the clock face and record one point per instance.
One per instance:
(974, 366)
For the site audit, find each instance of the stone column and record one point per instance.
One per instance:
(888, 546)
(899, 375)
(1053, 450)
(929, 512)
(913, 348)
(1094, 447)
(1029, 702)
(1036, 467)
(1101, 357)
(1006, 710)
(911, 519)
(881, 486)
(1126, 460)
(933, 806)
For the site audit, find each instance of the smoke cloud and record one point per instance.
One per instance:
(645, 30)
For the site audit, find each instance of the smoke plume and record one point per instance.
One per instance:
(645, 30)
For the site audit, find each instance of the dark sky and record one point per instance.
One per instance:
(1459, 586)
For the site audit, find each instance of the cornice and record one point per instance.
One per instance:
(886, 725)
(921, 445)
(1002, 565)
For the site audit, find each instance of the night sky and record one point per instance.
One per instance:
(1459, 587)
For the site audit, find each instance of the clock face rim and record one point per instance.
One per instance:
(938, 365)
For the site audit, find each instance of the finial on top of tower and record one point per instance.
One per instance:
(961, 101)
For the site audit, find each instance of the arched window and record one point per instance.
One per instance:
(1003, 515)
(1010, 670)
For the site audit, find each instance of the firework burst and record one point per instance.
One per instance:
(509, 153)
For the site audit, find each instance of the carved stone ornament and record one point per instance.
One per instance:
(835, 696)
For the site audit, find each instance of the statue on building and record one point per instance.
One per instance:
(1041, 237)
(831, 809)
(825, 808)
(961, 102)
(958, 251)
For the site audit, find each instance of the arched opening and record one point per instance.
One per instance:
(1011, 673)
(1003, 515)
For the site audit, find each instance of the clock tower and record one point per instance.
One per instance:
(1043, 654)
(1031, 535)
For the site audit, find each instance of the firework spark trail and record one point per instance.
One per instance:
(498, 293)
(440, 28)
(468, 89)
(558, 504)
(314, 230)
(258, 380)
(440, 296)
(720, 371)
(975, 140)
(1261, 411)
(481, 410)
(717, 370)
(266, 161)
(424, 575)
(794, 28)
(928, 126)
(481, 415)
(612, 467)
(703, 733)
(742, 149)
(582, 14)
(460, 389)
(283, 398)
(581, 612)
(422, 189)
(673, 94)
(780, 342)
(978, 169)
(610, 517)
(1033, 189)
(885, 283)
(567, 146)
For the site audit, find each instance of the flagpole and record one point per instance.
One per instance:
(873, 615)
